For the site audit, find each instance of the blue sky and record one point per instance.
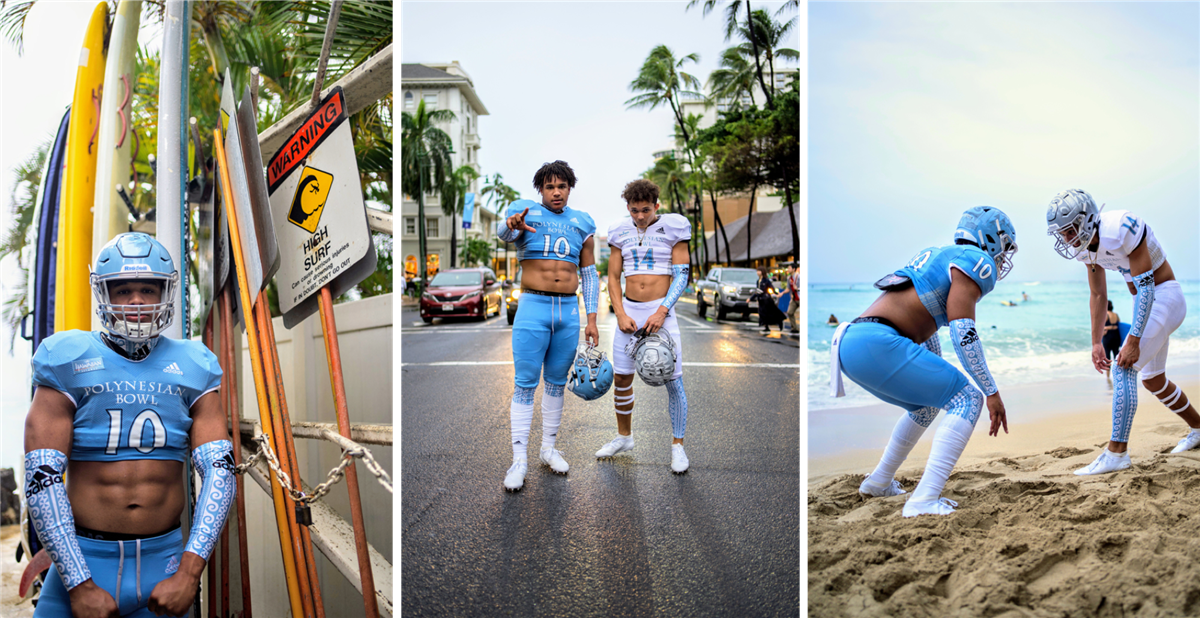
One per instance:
(918, 111)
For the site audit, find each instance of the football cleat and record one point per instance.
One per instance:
(553, 457)
(880, 491)
(679, 460)
(620, 444)
(515, 479)
(653, 356)
(941, 506)
(591, 374)
(1188, 443)
(1108, 461)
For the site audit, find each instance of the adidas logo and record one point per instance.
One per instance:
(574, 220)
(173, 368)
(172, 565)
(660, 230)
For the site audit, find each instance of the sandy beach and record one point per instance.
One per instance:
(1029, 537)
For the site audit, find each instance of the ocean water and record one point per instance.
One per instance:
(1044, 339)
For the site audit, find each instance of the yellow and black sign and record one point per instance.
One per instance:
(224, 122)
(309, 200)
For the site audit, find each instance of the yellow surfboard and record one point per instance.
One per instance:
(72, 301)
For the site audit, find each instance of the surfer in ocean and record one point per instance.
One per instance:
(1121, 241)
(892, 351)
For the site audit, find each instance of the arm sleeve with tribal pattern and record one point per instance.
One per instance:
(214, 461)
(679, 277)
(591, 288)
(504, 233)
(969, 349)
(50, 512)
(1144, 284)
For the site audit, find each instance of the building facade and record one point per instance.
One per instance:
(444, 86)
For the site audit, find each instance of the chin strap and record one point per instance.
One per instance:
(214, 461)
(130, 349)
(1144, 284)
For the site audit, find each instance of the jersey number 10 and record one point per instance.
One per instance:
(561, 247)
(135, 431)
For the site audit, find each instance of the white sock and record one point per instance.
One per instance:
(948, 444)
(552, 409)
(905, 435)
(520, 414)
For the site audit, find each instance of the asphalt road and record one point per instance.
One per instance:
(620, 537)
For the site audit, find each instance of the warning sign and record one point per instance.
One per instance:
(317, 206)
(310, 198)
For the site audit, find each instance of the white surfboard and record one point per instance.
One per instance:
(115, 141)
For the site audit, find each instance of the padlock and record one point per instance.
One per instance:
(303, 514)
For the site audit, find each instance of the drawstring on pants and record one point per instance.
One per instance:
(121, 569)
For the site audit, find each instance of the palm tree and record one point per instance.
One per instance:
(26, 188)
(662, 80)
(425, 162)
(454, 201)
(499, 195)
(731, 26)
(734, 79)
(769, 34)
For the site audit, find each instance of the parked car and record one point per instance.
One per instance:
(462, 292)
(512, 295)
(729, 291)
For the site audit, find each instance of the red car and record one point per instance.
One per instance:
(471, 292)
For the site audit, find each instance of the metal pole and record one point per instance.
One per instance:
(291, 462)
(264, 412)
(421, 217)
(334, 356)
(282, 434)
(330, 27)
(233, 412)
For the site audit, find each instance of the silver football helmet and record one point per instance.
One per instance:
(653, 356)
(1072, 220)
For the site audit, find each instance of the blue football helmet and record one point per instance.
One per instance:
(991, 229)
(134, 256)
(591, 374)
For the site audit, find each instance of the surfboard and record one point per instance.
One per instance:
(115, 140)
(1122, 330)
(45, 258)
(172, 172)
(72, 300)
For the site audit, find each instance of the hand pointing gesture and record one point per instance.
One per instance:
(517, 222)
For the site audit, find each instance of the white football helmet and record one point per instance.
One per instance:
(653, 356)
(1072, 220)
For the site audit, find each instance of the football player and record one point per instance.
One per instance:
(116, 412)
(892, 350)
(555, 248)
(651, 251)
(1120, 240)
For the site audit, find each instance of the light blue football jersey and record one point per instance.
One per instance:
(558, 237)
(929, 272)
(125, 409)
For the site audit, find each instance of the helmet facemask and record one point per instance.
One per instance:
(1080, 236)
(135, 328)
(1004, 260)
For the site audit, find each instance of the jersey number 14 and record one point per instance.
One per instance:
(647, 261)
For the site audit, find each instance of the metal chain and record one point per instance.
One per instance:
(335, 475)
